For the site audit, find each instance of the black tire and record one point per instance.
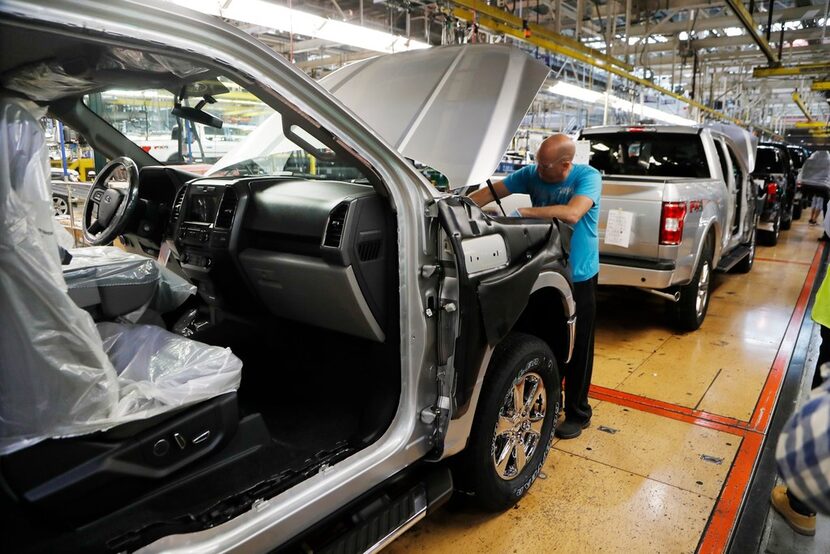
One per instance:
(520, 359)
(787, 221)
(770, 238)
(745, 265)
(797, 211)
(690, 310)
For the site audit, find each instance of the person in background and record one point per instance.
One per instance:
(569, 192)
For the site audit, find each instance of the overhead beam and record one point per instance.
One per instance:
(792, 70)
(506, 18)
(800, 103)
(720, 22)
(749, 24)
(810, 124)
(820, 85)
(555, 47)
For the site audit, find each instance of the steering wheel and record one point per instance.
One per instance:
(111, 201)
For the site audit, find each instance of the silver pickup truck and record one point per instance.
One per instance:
(677, 203)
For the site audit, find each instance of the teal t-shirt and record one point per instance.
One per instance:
(582, 180)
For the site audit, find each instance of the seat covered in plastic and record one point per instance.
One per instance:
(60, 375)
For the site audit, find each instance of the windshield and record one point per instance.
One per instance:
(651, 154)
(145, 117)
(268, 151)
(769, 161)
(251, 140)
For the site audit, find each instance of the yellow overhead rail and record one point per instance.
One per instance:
(792, 70)
(502, 22)
(749, 24)
(820, 85)
(800, 103)
(811, 124)
(530, 29)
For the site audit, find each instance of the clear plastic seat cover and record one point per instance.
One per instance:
(56, 378)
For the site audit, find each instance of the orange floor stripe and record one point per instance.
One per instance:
(670, 411)
(769, 394)
(722, 522)
(797, 262)
(664, 408)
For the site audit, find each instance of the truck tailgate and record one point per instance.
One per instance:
(642, 197)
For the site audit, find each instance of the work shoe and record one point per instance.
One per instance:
(570, 429)
(801, 524)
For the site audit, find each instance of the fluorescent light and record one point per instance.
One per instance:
(733, 31)
(594, 97)
(286, 20)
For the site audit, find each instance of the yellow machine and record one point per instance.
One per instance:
(82, 165)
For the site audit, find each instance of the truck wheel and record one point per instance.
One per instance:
(60, 205)
(745, 265)
(694, 297)
(787, 221)
(514, 423)
(771, 237)
(797, 211)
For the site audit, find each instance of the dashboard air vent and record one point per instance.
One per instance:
(226, 209)
(335, 225)
(177, 203)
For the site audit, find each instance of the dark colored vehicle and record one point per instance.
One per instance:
(774, 175)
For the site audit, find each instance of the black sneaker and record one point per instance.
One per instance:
(570, 429)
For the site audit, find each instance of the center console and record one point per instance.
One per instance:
(203, 223)
(206, 213)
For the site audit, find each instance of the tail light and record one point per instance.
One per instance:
(671, 223)
(772, 192)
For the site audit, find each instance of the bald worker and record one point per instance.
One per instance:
(570, 192)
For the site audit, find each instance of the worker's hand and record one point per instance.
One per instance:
(492, 211)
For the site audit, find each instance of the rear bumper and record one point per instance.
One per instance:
(632, 273)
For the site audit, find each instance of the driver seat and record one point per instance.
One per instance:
(89, 416)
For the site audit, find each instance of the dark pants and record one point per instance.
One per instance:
(823, 355)
(798, 505)
(577, 373)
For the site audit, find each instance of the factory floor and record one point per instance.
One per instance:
(676, 458)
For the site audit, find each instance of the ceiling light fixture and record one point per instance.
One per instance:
(287, 20)
(594, 97)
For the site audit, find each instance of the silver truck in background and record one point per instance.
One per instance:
(677, 203)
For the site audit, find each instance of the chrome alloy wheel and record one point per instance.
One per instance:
(519, 427)
(60, 205)
(702, 288)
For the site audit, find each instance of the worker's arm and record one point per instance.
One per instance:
(483, 196)
(569, 213)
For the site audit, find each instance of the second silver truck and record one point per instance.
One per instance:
(677, 204)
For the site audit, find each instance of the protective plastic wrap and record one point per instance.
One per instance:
(158, 370)
(46, 81)
(108, 266)
(54, 374)
(816, 170)
(56, 379)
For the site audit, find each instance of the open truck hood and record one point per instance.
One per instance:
(453, 108)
